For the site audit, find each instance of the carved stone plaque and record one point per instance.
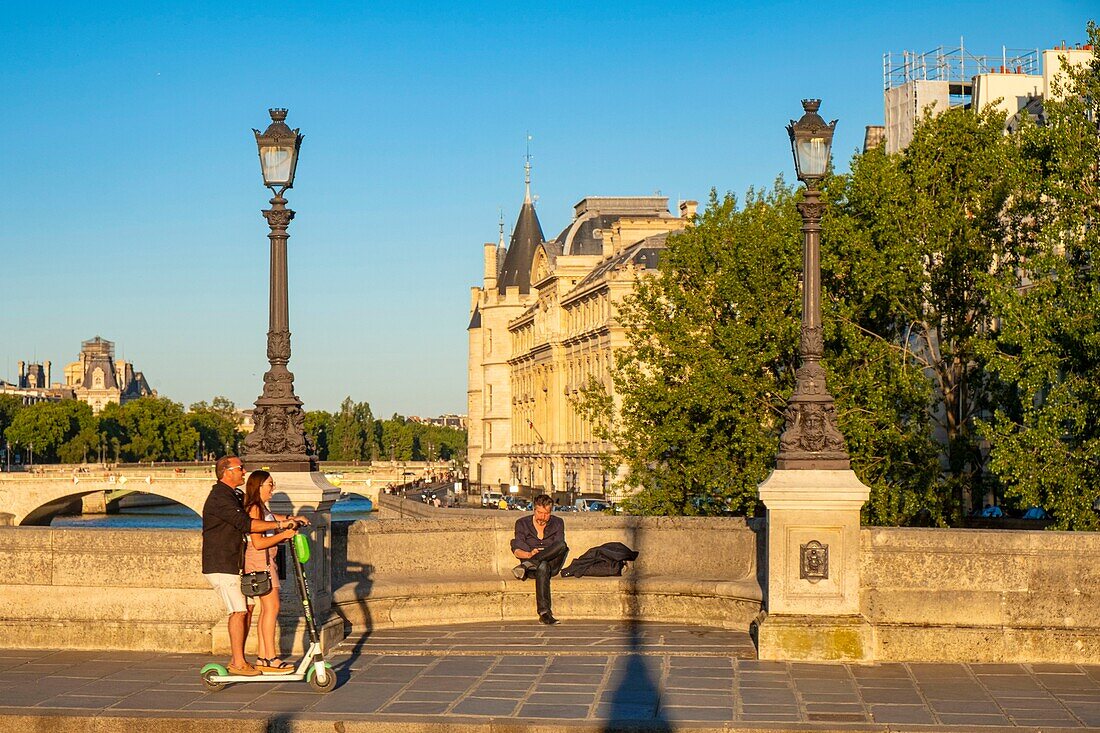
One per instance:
(814, 564)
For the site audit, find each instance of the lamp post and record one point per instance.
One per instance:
(811, 439)
(279, 441)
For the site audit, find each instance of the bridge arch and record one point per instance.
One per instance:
(39, 504)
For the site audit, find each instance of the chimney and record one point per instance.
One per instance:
(688, 208)
(491, 266)
(873, 137)
(47, 363)
(22, 373)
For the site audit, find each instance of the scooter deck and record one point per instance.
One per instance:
(291, 677)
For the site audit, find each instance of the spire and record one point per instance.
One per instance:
(527, 173)
(500, 242)
(526, 238)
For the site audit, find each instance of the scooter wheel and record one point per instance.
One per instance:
(327, 685)
(209, 682)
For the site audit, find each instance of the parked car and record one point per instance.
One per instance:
(591, 505)
(490, 498)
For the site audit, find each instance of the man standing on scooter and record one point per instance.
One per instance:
(224, 527)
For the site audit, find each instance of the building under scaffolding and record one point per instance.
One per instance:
(944, 78)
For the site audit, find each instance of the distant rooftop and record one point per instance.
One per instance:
(957, 65)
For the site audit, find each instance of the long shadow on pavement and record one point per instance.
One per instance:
(635, 700)
(362, 575)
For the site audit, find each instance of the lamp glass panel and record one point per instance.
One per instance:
(276, 160)
(813, 156)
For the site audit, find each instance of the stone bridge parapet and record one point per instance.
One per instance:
(454, 565)
(36, 499)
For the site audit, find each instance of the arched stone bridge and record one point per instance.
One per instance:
(37, 500)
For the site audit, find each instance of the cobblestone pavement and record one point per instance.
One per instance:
(580, 673)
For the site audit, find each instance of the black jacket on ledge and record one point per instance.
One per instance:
(604, 560)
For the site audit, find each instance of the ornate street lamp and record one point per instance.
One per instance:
(279, 441)
(811, 438)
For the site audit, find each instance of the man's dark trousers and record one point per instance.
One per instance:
(545, 565)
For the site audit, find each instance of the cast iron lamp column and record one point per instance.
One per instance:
(279, 441)
(811, 438)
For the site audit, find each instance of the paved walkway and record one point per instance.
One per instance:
(583, 675)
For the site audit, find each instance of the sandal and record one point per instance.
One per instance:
(274, 666)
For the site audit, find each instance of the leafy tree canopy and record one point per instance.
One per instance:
(1045, 435)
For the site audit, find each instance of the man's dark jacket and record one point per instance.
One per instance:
(606, 559)
(224, 525)
(527, 536)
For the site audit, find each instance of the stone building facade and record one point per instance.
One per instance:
(97, 378)
(542, 324)
(33, 385)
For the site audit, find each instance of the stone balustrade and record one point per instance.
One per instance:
(105, 589)
(982, 595)
(926, 594)
(456, 567)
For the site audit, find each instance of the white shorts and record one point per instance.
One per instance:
(228, 588)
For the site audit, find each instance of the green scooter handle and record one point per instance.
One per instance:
(301, 548)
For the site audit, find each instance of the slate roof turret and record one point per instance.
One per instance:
(526, 238)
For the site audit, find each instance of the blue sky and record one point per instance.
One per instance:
(133, 191)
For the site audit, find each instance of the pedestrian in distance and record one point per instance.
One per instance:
(260, 555)
(539, 544)
(224, 526)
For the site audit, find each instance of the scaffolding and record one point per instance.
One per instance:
(956, 66)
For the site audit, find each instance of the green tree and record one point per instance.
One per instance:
(318, 425)
(1045, 438)
(711, 351)
(151, 429)
(920, 232)
(352, 431)
(59, 431)
(439, 442)
(397, 438)
(216, 425)
(9, 406)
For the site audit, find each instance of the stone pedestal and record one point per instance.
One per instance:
(309, 494)
(813, 567)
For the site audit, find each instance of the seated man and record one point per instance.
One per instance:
(540, 544)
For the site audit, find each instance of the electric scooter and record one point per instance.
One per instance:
(313, 668)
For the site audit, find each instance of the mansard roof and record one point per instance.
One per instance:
(106, 365)
(645, 254)
(138, 387)
(593, 215)
(526, 237)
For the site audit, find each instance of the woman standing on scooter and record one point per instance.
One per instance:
(259, 556)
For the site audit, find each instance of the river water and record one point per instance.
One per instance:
(176, 516)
